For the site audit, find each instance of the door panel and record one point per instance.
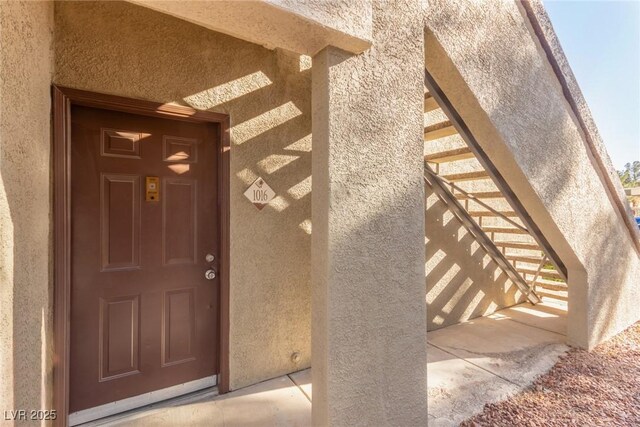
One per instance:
(143, 316)
(178, 335)
(120, 221)
(119, 337)
(179, 225)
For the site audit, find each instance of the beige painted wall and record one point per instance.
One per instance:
(369, 352)
(124, 49)
(463, 282)
(301, 26)
(502, 85)
(25, 227)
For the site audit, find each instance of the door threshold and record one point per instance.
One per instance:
(132, 406)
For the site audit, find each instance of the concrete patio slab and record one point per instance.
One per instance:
(548, 316)
(459, 389)
(511, 350)
(277, 402)
(469, 365)
(303, 380)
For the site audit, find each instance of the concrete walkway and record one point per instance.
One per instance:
(470, 364)
(488, 359)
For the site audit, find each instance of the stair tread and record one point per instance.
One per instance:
(481, 195)
(558, 295)
(430, 103)
(466, 176)
(553, 283)
(523, 258)
(439, 125)
(555, 292)
(520, 245)
(489, 213)
(505, 230)
(450, 155)
(543, 273)
(549, 286)
(439, 130)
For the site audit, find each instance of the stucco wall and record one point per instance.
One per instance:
(302, 27)
(352, 17)
(25, 199)
(124, 49)
(463, 282)
(368, 227)
(502, 85)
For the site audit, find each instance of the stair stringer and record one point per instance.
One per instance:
(464, 279)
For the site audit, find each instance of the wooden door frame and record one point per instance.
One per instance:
(63, 99)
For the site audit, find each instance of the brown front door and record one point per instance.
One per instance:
(143, 315)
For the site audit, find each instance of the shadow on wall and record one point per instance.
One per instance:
(463, 282)
(128, 50)
(543, 156)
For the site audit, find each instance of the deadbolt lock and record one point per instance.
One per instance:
(209, 258)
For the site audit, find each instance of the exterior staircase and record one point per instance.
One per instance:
(462, 176)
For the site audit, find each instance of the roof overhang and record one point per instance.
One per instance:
(301, 27)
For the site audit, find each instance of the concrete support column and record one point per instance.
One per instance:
(368, 321)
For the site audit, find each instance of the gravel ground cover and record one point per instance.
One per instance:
(601, 388)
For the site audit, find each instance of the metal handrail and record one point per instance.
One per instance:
(539, 270)
(481, 237)
(473, 198)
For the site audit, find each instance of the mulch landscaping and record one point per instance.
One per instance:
(600, 388)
